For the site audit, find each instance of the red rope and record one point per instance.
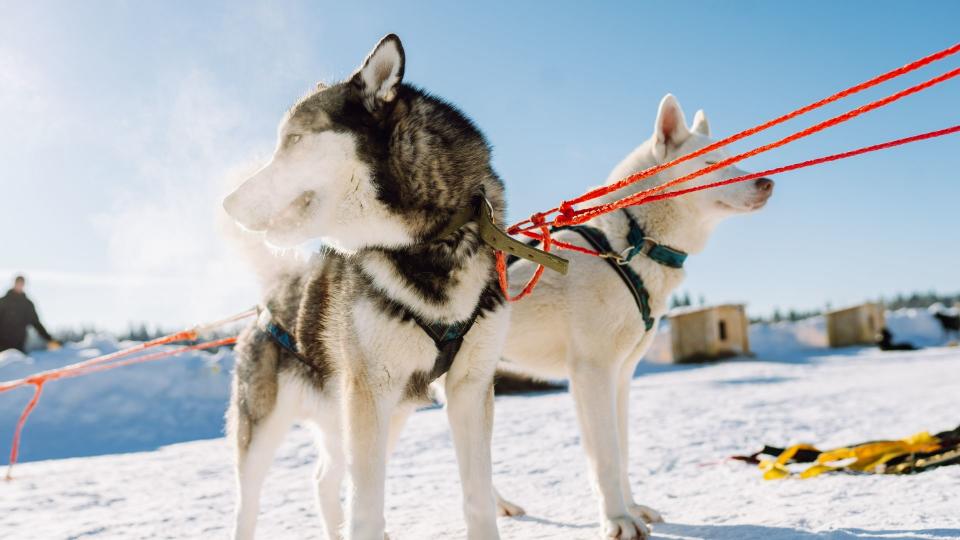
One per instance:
(752, 176)
(565, 208)
(110, 361)
(537, 274)
(586, 214)
(567, 215)
(795, 166)
(15, 445)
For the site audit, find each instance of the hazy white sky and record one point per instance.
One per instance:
(123, 123)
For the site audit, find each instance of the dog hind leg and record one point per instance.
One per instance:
(331, 466)
(253, 462)
(397, 421)
(507, 508)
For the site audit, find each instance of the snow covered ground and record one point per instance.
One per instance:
(686, 421)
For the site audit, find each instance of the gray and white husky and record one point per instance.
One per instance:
(378, 168)
(586, 325)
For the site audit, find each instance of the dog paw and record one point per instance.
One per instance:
(645, 513)
(506, 508)
(626, 528)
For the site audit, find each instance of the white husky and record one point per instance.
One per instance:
(586, 326)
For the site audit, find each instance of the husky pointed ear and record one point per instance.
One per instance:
(670, 129)
(381, 73)
(700, 124)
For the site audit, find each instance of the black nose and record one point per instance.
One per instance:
(765, 185)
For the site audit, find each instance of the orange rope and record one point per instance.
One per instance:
(803, 164)
(567, 215)
(580, 216)
(111, 361)
(752, 176)
(566, 207)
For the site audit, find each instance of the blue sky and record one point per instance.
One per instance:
(124, 123)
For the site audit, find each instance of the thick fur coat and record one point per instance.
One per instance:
(377, 168)
(586, 327)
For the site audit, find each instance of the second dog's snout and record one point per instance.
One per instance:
(765, 185)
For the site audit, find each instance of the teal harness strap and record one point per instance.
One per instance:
(639, 243)
(282, 337)
(447, 337)
(634, 282)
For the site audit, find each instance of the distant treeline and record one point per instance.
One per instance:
(134, 332)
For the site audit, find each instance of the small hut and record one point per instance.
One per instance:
(709, 333)
(856, 325)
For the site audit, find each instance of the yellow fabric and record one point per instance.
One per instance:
(867, 457)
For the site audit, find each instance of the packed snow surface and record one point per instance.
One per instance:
(686, 420)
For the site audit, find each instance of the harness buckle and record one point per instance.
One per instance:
(619, 258)
(648, 245)
(626, 254)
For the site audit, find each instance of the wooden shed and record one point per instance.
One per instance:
(709, 333)
(856, 325)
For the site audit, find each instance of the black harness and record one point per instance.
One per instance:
(637, 243)
(447, 337)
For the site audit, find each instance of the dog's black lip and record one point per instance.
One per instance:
(746, 208)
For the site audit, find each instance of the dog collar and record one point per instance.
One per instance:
(639, 242)
(493, 236)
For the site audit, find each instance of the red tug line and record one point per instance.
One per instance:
(111, 361)
(565, 215)
(565, 208)
(769, 172)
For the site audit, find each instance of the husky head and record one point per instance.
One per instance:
(672, 139)
(358, 163)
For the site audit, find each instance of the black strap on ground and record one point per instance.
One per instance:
(947, 452)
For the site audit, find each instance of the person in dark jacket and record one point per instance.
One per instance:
(16, 314)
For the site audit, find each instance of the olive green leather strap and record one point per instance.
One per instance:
(499, 240)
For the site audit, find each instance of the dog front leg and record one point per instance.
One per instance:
(470, 412)
(594, 388)
(367, 432)
(623, 429)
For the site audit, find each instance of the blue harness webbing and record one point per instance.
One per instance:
(447, 337)
(637, 243)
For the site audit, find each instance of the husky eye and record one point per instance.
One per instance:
(291, 140)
